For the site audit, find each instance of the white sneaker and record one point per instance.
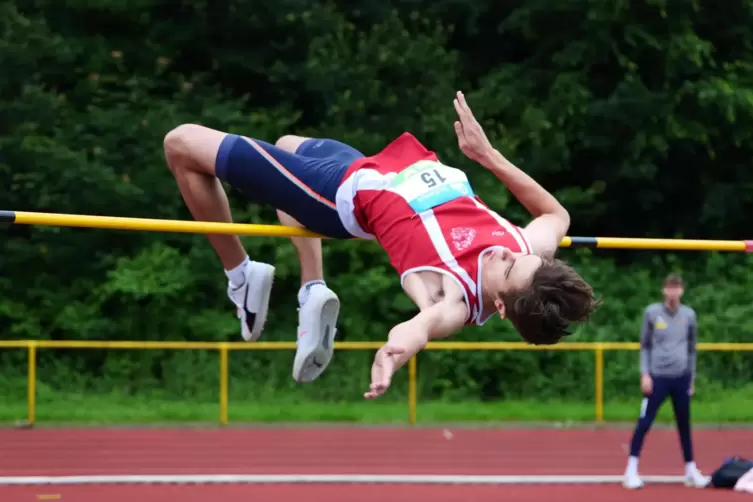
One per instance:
(694, 479)
(252, 299)
(317, 319)
(632, 481)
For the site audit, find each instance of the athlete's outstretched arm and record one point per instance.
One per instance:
(551, 219)
(409, 338)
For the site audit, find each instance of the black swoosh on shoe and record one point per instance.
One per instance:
(250, 316)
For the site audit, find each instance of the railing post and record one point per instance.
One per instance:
(31, 383)
(224, 370)
(412, 393)
(599, 382)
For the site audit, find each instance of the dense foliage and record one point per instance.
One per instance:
(637, 114)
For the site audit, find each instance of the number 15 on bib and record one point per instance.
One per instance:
(428, 184)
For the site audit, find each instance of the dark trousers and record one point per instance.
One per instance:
(678, 389)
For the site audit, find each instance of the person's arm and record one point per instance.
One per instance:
(535, 198)
(692, 342)
(410, 337)
(647, 339)
(646, 343)
(551, 219)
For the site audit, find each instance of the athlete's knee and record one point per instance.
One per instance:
(177, 144)
(290, 142)
(192, 147)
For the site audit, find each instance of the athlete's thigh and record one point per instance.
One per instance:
(302, 187)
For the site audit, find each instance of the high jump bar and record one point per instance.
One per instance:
(206, 227)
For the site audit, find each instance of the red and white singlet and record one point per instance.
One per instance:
(425, 216)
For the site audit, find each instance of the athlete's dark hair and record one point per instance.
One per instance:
(557, 297)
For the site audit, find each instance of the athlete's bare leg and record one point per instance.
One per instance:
(309, 250)
(191, 151)
(319, 305)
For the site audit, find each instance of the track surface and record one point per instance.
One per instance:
(352, 451)
(362, 493)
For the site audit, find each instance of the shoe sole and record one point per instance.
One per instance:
(263, 291)
(630, 487)
(691, 484)
(311, 363)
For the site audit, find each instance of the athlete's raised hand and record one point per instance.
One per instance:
(382, 370)
(471, 137)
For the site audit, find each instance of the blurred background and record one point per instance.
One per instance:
(638, 115)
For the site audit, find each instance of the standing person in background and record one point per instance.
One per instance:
(668, 365)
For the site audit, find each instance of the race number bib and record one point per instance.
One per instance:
(427, 184)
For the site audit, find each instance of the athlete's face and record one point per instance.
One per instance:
(507, 271)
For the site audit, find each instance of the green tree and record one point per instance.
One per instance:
(637, 115)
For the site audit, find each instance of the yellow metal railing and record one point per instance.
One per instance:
(223, 349)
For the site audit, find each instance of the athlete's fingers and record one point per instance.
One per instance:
(468, 117)
(390, 350)
(375, 390)
(462, 110)
(458, 128)
(458, 108)
(464, 104)
(461, 100)
(467, 120)
(372, 395)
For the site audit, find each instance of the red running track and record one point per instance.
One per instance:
(361, 493)
(350, 451)
(55, 452)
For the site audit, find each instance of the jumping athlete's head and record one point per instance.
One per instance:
(541, 296)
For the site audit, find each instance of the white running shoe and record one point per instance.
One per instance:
(317, 320)
(252, 299)
(632, 481)
(694, 479)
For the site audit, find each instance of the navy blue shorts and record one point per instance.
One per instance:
(302, 184)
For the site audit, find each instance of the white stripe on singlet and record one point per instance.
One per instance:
(429, 219)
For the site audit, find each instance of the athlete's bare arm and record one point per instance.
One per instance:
(551, 219)
(443, 312)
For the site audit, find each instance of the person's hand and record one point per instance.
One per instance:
(691, 390)
(647, 384)
(471, 137)
(382, 370)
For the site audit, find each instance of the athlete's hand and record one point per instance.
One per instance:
(647, 384)
(471, 137)
(382, 370)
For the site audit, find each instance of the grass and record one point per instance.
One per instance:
(59, 408)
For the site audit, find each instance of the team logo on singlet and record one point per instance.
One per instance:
(462, 237)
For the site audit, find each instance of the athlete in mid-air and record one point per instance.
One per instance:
(458, 260)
